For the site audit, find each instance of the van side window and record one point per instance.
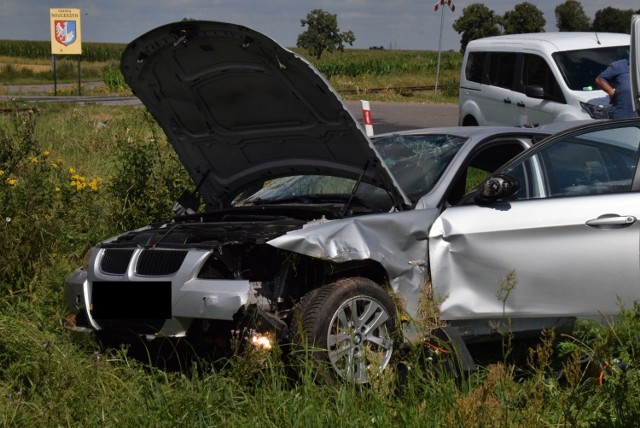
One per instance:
(501, 69)
(536, 71)
(475, 66)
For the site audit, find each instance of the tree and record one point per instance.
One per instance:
(476, 21)
(570, 16)
(524, 18)
(613, 20)
(323, 34)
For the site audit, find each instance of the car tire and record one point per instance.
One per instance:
(350, 325)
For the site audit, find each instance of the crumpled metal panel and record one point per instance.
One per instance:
(563, 267)
(398, 241)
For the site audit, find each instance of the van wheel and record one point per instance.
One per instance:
(469, 121)
(351, 325)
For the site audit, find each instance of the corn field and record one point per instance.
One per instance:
(98, 52)
(357, 62)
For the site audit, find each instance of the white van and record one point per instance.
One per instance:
(537, 78)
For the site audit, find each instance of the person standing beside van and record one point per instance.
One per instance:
(615, 80)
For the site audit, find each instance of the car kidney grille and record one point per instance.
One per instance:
(115, 261)
(160, 262)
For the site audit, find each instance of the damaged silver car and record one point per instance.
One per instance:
(309, 225)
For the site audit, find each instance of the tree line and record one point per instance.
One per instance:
(478, 21)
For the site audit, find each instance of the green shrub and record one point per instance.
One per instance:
(39, 196)
(146, 180)
(113, 79)
(51, 209)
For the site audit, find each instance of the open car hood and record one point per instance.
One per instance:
(240, 109)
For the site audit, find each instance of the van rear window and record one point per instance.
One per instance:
(475, 65)
(581, 67)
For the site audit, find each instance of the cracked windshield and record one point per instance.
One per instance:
(416, 162)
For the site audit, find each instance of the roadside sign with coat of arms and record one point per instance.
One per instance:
(65, 32)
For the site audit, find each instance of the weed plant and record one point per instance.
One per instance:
(73, 175)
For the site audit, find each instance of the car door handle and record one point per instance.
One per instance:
(612, 221)
(520, 104)
(507, 100)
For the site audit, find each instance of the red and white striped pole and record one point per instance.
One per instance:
(366, 118)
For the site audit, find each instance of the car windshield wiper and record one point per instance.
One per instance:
(345, 209)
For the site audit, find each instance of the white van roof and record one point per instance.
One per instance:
(551, 42)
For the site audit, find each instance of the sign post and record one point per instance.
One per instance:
(441, 3)
(65, 38)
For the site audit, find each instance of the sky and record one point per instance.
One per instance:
(393, 24)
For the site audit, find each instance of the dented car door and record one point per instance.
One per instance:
(570, 235)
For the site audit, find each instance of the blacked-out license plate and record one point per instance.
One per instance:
(131, 300)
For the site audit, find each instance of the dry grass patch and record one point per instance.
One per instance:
(36, 68)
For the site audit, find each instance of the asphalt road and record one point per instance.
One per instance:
(387, 116)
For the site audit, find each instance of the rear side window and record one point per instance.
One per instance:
(475, 66)
(501, 69)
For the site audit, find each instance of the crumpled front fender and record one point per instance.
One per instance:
(398, 241)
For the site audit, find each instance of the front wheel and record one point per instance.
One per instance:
(352, 324)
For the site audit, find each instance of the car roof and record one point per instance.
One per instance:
(553, 41)
(487, 131)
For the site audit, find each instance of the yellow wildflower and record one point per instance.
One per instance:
(54, 165)
(35, 160)
(93, 184)
(1, 172)
(72, 170)
(45, 153)
(12, 181)
(78, 181)
(57, 189)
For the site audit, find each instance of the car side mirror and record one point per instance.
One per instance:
(496, 187)
(534, 91)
